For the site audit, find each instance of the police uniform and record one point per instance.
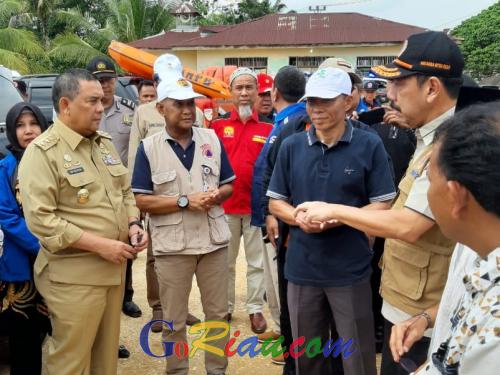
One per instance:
(117, 121)
(71, 184)
(146, 122)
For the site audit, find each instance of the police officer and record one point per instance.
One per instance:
(146, 122)
(116, 121)
(77, 200)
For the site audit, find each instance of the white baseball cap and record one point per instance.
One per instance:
(167, 65)
(328, 83)
(177, 88)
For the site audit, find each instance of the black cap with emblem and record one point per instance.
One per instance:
(102, 67)
(430, 53)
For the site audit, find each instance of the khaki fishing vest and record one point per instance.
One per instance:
(414, 274)
(186, 231)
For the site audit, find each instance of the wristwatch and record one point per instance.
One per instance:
(183, 201)
(135, 222)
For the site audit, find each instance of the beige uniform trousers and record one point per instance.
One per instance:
(85, 326)
(271, 283)
(153, 289)
(239, 225)
(175, 276)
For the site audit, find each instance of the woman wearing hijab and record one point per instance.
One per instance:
(23, 315)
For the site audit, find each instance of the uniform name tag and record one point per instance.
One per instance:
(75, 170)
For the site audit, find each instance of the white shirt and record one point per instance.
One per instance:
(473, 337)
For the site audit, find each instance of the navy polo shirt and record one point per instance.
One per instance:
(141, 177)
(354, 172)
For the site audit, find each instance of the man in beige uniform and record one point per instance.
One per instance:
(77, 201)
(116, 121)
(424, 81)
(181, 177)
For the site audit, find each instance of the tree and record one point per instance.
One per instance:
(20, 50)
(245, 11)
(131, 20)
(481, 42)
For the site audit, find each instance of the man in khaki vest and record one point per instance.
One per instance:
(77, 200)
(181, 177)
(146, 122)
(424, 81)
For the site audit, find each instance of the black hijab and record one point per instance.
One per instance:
(11, 121)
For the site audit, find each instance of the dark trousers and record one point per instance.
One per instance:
(25, 342)
(311, 312)
(417, 353)
(286, 328)
(378, 319)
(129, 290)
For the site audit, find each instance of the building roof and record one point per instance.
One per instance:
(300, 29)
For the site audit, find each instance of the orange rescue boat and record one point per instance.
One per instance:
(140, 63)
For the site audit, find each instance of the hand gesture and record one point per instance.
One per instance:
(405, 334)
(319, 213)
(138, 238)
(116, 251)
(396, 118)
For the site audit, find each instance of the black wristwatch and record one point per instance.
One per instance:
(183, 201)
(135, 222)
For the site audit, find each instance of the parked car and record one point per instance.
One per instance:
(10, 96)
(39, 89)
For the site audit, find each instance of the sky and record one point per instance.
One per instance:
(430, 14)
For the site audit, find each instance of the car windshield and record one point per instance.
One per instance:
(10, 96)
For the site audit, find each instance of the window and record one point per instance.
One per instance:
(364, 63)
(307, 63)
(258, 64)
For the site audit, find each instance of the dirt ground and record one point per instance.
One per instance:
(140, 363)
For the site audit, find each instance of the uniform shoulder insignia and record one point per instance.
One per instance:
(128, 103)
(104, 134)
(47, 141)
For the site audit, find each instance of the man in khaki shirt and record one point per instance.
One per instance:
(77, 200)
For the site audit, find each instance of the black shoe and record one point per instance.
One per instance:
(123, 352)
(131, 309)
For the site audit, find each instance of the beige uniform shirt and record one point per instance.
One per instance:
(146, 122)
(71, 184)
(417, 201)
(117, 121)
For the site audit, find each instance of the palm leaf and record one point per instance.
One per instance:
(14, 61)
(9, 8)
(21, 41)
(72, 50)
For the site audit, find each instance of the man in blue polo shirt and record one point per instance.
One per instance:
(328, 267)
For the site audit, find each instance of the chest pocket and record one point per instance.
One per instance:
(165, 183)
(210, 175)
(78, 182)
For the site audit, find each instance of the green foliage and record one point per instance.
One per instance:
(247, 10)
(481, 42)
(39, 36)
(136, 19)
(70, 51)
